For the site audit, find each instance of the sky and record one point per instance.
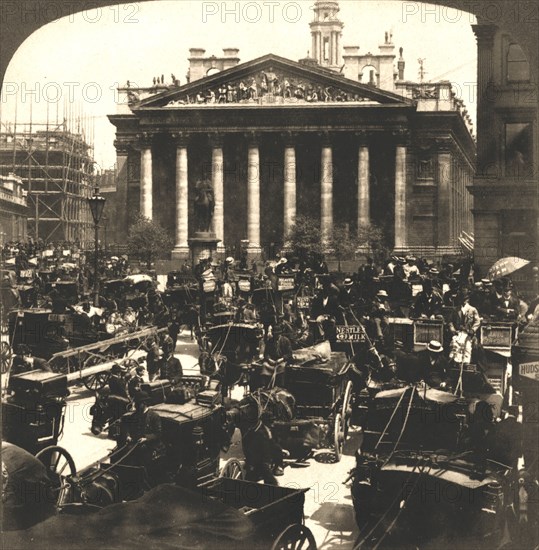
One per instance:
(72, 66)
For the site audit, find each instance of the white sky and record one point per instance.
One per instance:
(80, 59)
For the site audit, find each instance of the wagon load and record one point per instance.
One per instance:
(165, 516)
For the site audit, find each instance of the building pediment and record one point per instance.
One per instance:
(270, 80)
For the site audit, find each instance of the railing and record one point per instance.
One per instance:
(21, 201)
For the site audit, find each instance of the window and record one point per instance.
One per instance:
(519, 149)
(518, 68)
(326, 49)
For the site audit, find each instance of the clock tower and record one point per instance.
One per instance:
(326, 32)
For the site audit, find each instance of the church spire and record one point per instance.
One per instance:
(326, 32)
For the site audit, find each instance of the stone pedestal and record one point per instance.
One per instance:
(203, 245)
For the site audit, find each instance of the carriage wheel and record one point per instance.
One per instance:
(346, 407)
(338, 436)
(60, 465)
(96, 381)
(232, 469)
(6, 356)
(295, 537)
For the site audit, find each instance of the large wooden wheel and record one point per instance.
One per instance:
(96, 381)
(232, 469)
(60, 465)
(6, 357)
(338, 436)
(295, 537)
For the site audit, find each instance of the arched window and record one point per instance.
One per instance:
(518, 68)
(369, 76)
(213, 70)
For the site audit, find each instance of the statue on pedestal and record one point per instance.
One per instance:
(204, 206)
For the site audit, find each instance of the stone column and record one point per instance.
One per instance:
(444, 203)
(120, 221)
(217, 177)
(313, 51)
(326, 192)
(400, 197)
(146, 182)
(289, 189)
(181, 250)
(486, 138)
(363, 185)
(253, 197)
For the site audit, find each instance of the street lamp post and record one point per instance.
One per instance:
(97, 204)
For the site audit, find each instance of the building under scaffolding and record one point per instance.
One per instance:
(56, 166)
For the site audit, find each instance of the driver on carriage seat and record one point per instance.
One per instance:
(277, 352)
(434, 365)
(23, 361)
(143, 429)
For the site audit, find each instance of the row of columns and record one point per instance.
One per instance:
(290, 192)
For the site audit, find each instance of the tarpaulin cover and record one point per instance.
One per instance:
(26, 489)
(165, 517)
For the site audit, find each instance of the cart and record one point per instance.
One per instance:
(276, 512)
(192, 437)
(323, 393)
(420, 442)
(33, 419)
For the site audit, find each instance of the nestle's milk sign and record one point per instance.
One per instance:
(529, 370)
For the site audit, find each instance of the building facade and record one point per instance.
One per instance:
(13, 209)
(505, 187)
(56, 167)
(277, 138)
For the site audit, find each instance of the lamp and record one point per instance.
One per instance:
(97, 204)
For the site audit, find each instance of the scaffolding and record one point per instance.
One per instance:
(55, 162)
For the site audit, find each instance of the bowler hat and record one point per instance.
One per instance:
(142, 397)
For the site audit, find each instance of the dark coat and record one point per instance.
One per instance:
(433, 373)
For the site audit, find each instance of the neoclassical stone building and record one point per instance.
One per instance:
(276, 138)
(506, 185)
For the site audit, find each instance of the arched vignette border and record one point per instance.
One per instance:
(17, 20)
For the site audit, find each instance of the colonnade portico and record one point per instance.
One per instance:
(183, 226)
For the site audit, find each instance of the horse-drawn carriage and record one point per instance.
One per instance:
(427, 454)
(323, 391)
(186, 455)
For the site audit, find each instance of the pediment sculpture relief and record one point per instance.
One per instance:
(267, 86)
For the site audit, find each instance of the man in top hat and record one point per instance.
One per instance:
(507, 306)
(428, 303)
(117, 381)
(434, 365)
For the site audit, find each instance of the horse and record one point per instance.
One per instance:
(254, 415)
